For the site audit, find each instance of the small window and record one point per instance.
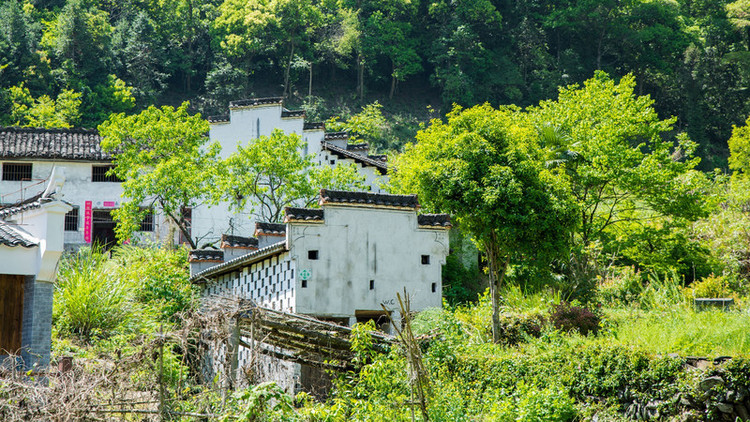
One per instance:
(312, 255)
(16, 171)
(99, 174)
(71, 220)
(434, 287)
(333, 162)
(147, 224)
(372, 284)
(425, 260)
(304, 284)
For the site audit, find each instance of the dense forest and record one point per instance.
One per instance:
(73, 62)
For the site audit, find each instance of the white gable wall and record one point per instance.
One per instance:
(356, 245)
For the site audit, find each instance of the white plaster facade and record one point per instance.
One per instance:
(31, 243)
(339, 263)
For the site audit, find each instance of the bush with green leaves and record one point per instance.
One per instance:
(90, 300)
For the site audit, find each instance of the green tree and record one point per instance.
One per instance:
(485, 168)
(273, 172)
(739, 147)
(43, 111)
(626, 167)
(18, 41)
(163, 156)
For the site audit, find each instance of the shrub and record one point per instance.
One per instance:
(89, 300)
(566, 317)
(709, 287)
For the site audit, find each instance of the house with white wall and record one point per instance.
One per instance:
(27, 156)
(250, 119)
(31, 243)
(338, 263)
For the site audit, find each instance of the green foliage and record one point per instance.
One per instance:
(165, 162)
(263, 402)
(710, 287)
(27, 111)
(90, 301)
(274, 172)
(739, 148)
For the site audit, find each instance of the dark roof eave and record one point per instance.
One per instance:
(365, 161)
(238, 262)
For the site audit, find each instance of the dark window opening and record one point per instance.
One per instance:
(333, 162)
(16, 171)
(304, 284)
(434, 287)
(71, 220)
(312, 255)
(425, 259)
(147, 224)
(100, 174)
(372, 284)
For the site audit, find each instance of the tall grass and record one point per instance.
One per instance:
(682, 330)
(90, 300)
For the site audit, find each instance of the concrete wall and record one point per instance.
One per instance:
(36, 335)
(357, 245)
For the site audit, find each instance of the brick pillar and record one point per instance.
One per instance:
(36, 334)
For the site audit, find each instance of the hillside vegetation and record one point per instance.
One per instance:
(73, 62)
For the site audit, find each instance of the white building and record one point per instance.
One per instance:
(31, 242)
(27, 156)
(250, 119)
(339, 263)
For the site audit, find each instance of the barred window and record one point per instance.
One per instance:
(16, 171)
(99, 174)
(147, 224)
(71, 220)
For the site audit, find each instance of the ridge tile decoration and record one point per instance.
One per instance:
(364, 146)
(35, 201)
(218, 119)
(314, 126)
(336, 135)
(250, 102)
(13, 236)
(434, 220)
(368, 198)
(230, 241)
(342, 153)
(206, 255)
(303, 214)
(69, 144)
(270, 229)
(292, 113)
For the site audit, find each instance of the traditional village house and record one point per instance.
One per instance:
(31, 242)
(338, 263)
(28, 154)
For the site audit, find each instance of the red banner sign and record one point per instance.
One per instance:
(87, 217)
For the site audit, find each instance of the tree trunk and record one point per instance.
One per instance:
(309, 86)
(497, 275)
(393, 87)
(286, 71)
(360, 76)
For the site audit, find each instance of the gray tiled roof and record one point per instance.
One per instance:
(368, 198)
(35, 201)
(314, 126)
(365, 161)
(238, 262)
(15, 236)
(273, 229)
(336, 135)
(292, 113)
(434, 220)
(358, 147)
(218, 119)
(205, 255)
(238, 242)
(37, 143)
(256, 101)
(303, 214)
